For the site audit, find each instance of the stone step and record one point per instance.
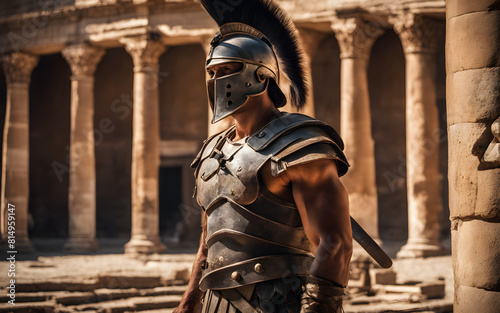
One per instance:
(48, 301)
(104, 281)
(165, 291)
(61, 285)
(74, 298)
(155, 311)
(133, 304)
(29, 307)
(435, 306)
(27, 296)
(124, 282)
(114, 294)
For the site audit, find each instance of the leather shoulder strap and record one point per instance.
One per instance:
(208, 145)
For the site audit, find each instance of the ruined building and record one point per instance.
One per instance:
(103, 106)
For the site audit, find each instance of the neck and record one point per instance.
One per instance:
(253, 116)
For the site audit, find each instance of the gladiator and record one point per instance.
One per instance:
(276, 230)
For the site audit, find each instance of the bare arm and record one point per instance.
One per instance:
(191, 301)
(323, 205)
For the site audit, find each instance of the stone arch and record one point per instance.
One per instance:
(183, 100)
(325, 67)
(49, 122)
(113, 145)
(183, 126)
(386, 83)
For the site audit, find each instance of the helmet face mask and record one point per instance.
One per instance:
(229, 93)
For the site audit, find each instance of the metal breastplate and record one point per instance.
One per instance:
(251, 235)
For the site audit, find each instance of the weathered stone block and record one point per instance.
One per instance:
(430, 290)
(73, 298)
(488, 193)
(473, 95)
(462, 171)
(183, 274)
(459, 7)
(477, 254)
(469, 299)
(472, 41)
(383, 276)
(122, 282)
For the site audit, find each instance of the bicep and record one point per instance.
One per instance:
(322, 201)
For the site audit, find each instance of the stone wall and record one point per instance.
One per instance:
(473, 93)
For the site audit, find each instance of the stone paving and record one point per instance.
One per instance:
(52, 282)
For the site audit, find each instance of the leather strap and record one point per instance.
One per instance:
(239, 301)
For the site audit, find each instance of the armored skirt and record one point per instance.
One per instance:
(280, 296)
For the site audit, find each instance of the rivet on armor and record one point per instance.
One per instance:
(240, 169)
(203, 175)
(236, 276)
(261, 134)
(248, 84)
(258, 268)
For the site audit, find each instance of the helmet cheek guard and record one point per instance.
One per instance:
(229, 93)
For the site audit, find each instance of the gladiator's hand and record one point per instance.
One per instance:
(321, 296)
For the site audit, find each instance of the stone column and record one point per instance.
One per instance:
(310, 41)
(356, 38)
(145, 146)
(228, 121)
(419, 36)
(15, 151)
(473, 108)
(83, 60)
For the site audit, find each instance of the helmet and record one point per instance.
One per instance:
(260, 64)
(258, 34)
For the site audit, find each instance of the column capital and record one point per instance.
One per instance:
(18, 66)
(355, 36)
(418, 34)
(145, 52)
(82, 59)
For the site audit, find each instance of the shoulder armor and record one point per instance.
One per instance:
(286, 123)
(315, 151)
(323, 142)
